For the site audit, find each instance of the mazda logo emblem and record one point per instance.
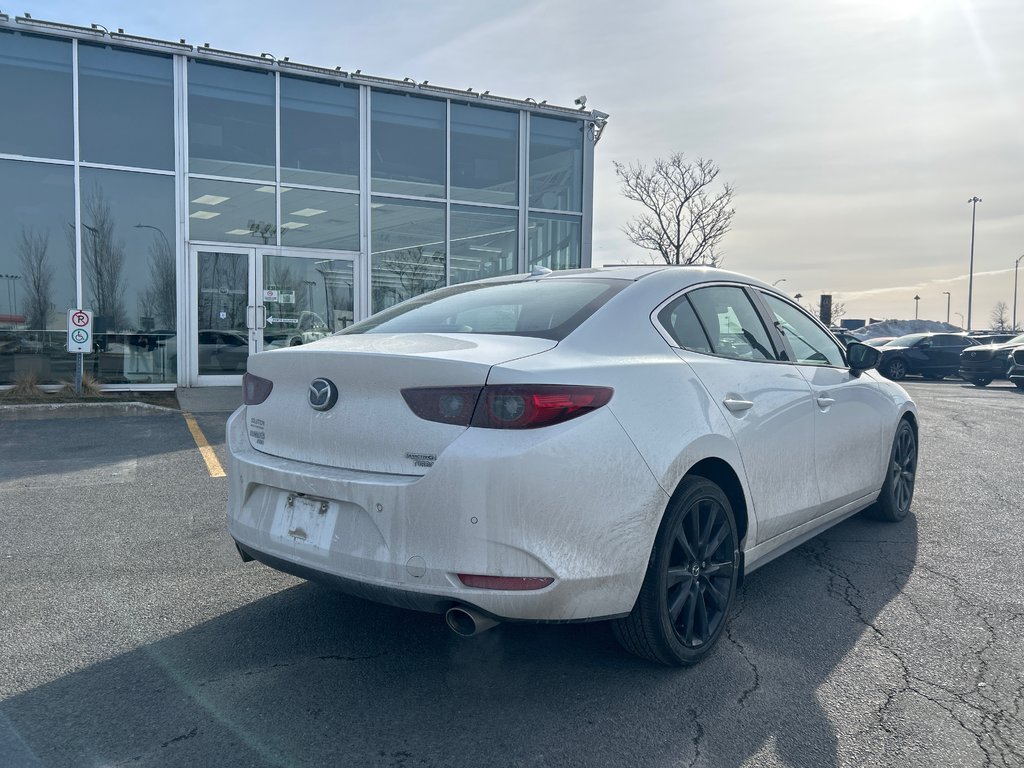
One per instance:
(322, 394)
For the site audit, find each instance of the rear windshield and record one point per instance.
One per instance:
(546, 309)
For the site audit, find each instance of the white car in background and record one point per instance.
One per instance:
(618, 443)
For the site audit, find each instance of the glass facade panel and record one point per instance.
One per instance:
(407, 140)
(126, 107)
(484, 243)
(223, 298)
(305, 299)
(556, 164)
(231, 122)
(36, 92)
(485, 155)
(554, 241)
(407, 250)
(229, 211)
(129, 276)
(319, 133)
(314, 219)
(37, 271)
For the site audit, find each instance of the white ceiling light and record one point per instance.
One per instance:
(210, 200)
(238, 232)
(308, 212)
(204, 215)
(294, 225)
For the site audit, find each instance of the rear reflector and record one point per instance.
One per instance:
(255, 389)
(521, 406)
(516, 583)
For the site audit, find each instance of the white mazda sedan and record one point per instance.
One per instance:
(619, 443)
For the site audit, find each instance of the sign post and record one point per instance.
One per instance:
(79, 340)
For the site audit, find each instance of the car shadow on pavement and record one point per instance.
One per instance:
(308, 676)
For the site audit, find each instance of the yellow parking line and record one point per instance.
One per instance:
(212, 464)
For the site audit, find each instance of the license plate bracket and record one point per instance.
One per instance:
(305, 523)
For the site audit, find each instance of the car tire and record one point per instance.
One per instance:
(895, 369)
(690, 585)
(901, 472)
(982, 381)
(1019, 384)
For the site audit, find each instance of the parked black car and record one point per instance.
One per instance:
(985, 362)
(932, 355)
(1016, 372)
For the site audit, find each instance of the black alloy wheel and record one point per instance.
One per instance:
(898, 489)
(895, 370)
(690, 585)
(981, 381)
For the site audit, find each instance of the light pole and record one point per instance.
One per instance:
(167, 243)
(1015, 265)
(780, 280)
(970, 279)
(917, 303)
(961, 316)
(947, 306)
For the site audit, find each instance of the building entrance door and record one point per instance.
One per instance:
(246, 300)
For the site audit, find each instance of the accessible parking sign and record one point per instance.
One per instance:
(79, 331)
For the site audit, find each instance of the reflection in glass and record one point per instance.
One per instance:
(126, 107)
(223, 335)
(319, 133)
(229, 211)
(407, 140)
(36, 96)
(314, 219)
(37, 271)
(556, 164)
(231, 122)
(305, 299)
(554, 241)
(129, 276)
(407, 250)
(485, 154)
(484, 243)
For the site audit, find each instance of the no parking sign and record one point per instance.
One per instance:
(79, 331)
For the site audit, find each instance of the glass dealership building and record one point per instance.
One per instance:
(206, 205)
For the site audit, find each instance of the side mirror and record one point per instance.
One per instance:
(862, 357)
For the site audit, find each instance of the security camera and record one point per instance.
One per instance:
(598, 115)
(580, 101)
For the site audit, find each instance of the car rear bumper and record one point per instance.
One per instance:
(574, 503)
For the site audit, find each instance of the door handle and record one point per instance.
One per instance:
(250, 316)
(824, 401)
(261, 314)
(736, 405)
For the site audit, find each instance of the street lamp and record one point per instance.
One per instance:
(970, 280)
(947, 306)
(961, 316)
(780, 280)
(1015, 265)
(167, 243)
(917, 302)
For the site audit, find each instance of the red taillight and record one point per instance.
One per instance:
(255, 389)
(536, 405)
(520, 406)
(448, 405)
(517, 583)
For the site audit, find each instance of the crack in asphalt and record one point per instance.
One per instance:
(698, 737)
(989, 734)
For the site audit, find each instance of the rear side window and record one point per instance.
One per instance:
(731, 323)
(681, 323)
(545, 308)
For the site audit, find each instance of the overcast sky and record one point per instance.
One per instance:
(854, 131)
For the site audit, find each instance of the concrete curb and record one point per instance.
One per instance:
(79, 410)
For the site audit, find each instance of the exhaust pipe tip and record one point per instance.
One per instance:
(466, 622)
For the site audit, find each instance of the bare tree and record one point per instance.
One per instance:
(998, 316)
(32, 250)
(413, 271)
(103, 259)
(160, 298)
(687, 216)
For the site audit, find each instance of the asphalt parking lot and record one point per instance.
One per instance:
(132, 634)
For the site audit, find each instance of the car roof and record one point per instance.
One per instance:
(676, 276)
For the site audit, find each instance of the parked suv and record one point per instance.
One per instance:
(985, 362)
(1016, 372)
(931, 355)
